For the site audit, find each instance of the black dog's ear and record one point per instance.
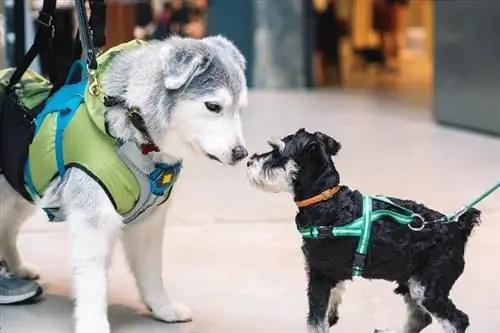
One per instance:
(332, 147)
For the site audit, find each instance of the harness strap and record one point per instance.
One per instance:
(44, 34)
(361, 227)
(156, 180)
(359, 256)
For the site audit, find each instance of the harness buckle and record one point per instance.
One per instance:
(163, 178)
(45, 20)
(324, 232)
(421, 226)
(358, 264)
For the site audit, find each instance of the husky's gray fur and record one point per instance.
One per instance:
(170, 81)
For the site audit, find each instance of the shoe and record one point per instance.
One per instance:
(16, 290)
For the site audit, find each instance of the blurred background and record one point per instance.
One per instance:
(397, 82)
(415, 50)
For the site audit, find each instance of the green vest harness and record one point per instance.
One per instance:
(71, 132)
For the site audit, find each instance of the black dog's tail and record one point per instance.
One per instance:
(468, 220)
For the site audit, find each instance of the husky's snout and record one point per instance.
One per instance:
(238, 153)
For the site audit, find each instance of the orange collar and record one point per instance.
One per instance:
(323, 196)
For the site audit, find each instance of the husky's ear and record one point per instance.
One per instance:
(182, 64)
(228, 46)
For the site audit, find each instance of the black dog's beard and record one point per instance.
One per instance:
(271, 179)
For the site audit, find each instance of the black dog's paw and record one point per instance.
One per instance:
(382, 331)
(333, 318)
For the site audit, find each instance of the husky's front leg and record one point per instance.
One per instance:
(94, 226)
(143, 241)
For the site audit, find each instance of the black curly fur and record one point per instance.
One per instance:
(432, 259)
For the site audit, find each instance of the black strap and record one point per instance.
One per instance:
(44, 34)
(97, 22)
(97, 25)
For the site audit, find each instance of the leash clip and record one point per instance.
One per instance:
(95, 87)
(421, 225)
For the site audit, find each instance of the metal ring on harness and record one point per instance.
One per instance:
(421, 225)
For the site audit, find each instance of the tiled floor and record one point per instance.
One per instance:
(232, 253)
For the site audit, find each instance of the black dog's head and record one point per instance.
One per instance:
(295, 164)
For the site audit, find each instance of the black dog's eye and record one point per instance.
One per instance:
(213, 107)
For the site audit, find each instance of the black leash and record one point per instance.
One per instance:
(94, 31)
(91, 34)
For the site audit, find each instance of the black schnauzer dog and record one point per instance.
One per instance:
(424, 259)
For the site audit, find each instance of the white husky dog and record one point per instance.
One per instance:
(190, 93)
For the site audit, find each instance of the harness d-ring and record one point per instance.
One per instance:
(420, 227)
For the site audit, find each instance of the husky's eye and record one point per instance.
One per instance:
(213, 107)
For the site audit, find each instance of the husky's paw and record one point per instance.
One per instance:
(92, 327)
(26, 271)
(173, 313)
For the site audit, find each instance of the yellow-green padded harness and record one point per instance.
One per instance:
(74, 120)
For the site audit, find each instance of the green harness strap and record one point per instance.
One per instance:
(362, 226)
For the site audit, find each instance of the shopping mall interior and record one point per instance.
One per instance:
(358, 34)
(360, 46)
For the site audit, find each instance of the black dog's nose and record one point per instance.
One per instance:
(239, 153)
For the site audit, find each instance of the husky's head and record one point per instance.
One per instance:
(191, 93)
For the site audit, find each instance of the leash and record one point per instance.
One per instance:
(85, 35)
(455, 216)
(361, 227)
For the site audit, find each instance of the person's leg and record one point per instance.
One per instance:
(392, 41)
(319, 68)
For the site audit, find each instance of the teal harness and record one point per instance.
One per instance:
(362, 226)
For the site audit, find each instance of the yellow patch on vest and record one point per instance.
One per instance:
(166, 178)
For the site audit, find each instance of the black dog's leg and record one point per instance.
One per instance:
(318, 294)
(452, 319)
(418, 318)
(335, 300)
(433, 297)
